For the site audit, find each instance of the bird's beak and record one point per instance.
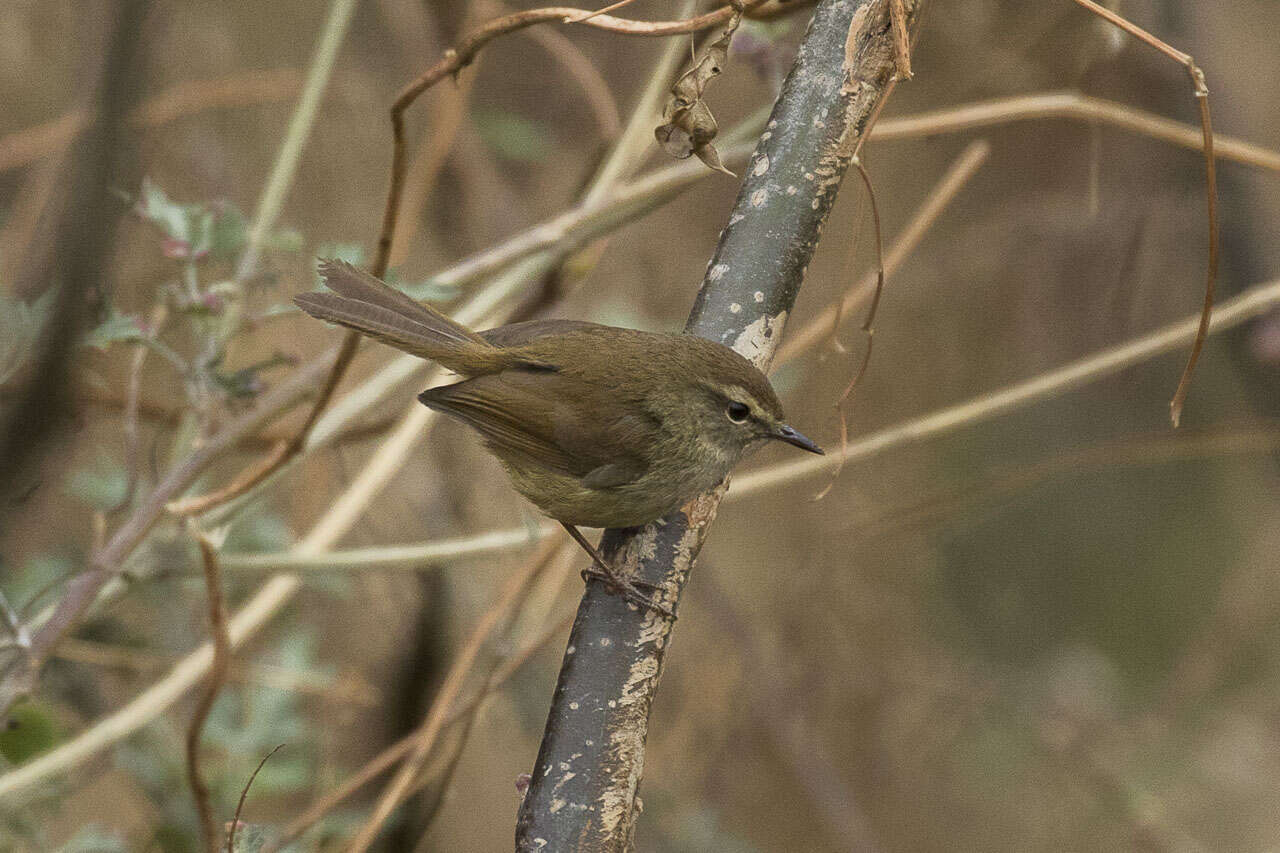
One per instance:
(791, 436)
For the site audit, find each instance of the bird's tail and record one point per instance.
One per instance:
(363, 303)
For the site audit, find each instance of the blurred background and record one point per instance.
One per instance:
(1052, 630)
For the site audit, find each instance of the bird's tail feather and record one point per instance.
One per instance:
(365, 304)
(353, 283)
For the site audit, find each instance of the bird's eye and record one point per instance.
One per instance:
(737, 412)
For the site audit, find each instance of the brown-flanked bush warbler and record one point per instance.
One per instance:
(596, 425)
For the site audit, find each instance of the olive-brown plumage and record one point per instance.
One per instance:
(596, 425)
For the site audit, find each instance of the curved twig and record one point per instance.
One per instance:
(1201, 92)
(217, 675)
(390, 756)
(500, 614)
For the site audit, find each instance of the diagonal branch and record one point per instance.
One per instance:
(583, 790)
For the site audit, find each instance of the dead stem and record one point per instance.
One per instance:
(943, 193)
(1073, 105)
(1201, 92)
(390, 756)
(867, 326)
(244, 794)
(502, 612)
(217, 676)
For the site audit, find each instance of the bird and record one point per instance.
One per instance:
(597, 426)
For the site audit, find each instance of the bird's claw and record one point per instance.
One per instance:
(629, 589)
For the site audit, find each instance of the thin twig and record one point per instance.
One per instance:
(867, 327)
(390, 756)
(943, 193)
(301, 123)
(443, 124)
(349, 687)
(1211, 274)
(457, 57)
(217, 676)
(1201, 92)
(240, 89)
(244, 794)
(595, 89)
(132, 394)
(586, 16)
(1143, 450)
(501, 612)
(1051, 383)
(445, 780)
(390, 557)
(470, 712)
(1073, 105)
(770, 693)
(269, 206)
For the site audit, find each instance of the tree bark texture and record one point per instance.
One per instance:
(582, 795)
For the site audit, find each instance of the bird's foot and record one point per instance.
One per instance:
(628, 589)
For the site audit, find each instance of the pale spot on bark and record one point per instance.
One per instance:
(757, 340)
(762, 166)
(735, 308)
(759, 197)
(717, 272)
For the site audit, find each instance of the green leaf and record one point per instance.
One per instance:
(513, 136)
(250, 837)
(102, 486)
(197, 231)
(31, 730)
(117, 328)
(20, 325)
(170, 217)
(284, 240)
(259, 531)
(94, 839)
(229, 232)
(352, 253)
(36, 576)
(430, 291)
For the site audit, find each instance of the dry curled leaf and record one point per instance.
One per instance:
(689, 126)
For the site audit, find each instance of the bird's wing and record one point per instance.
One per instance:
(534, 418)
